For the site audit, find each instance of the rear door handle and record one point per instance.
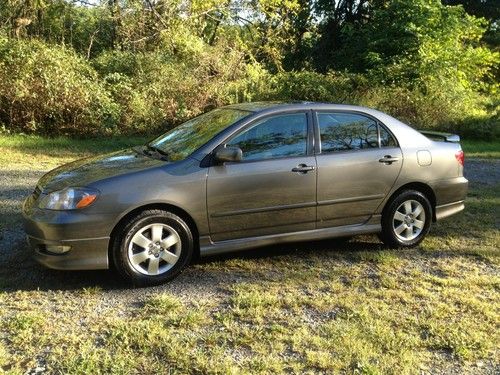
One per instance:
(388, 159)
(303, 168)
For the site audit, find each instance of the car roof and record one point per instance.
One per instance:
(272, 106)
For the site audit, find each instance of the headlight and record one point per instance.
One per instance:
(68, 199)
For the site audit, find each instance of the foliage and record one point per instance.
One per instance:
(51, 90)
(306, 85)
(422, 43)
(130, 66)
(466, 114)
(154, 89)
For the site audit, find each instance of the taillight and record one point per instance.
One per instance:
(459, 155)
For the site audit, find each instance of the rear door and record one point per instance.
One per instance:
(273, 189)
(358, 163)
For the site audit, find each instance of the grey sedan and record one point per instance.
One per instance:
(241, 177)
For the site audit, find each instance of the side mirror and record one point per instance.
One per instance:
(228, 154)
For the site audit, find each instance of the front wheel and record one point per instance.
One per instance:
(154, 247)
(406, 219)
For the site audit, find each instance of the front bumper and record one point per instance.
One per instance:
(85, 234)
(85, 254)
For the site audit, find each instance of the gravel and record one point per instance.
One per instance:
(482, 172)
(18, 271)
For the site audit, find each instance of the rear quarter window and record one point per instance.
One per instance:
(386, 139)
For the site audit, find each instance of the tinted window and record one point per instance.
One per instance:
(386, 139)
(343, 131)
(274, 137)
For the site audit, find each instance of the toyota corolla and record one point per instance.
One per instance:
(245, 176)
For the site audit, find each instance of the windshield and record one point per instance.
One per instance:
(181, 141)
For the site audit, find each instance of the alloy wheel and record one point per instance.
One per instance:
(154, 249)
(409, 220)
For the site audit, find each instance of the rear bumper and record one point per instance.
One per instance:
(450, 195)
(449, 209)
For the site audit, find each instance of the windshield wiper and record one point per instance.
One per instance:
(156, 150)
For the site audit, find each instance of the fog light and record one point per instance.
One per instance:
(57, 249)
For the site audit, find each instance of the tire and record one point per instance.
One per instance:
(153, 248)
(406, 220)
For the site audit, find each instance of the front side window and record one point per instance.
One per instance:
(274, 137)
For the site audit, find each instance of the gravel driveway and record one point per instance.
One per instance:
(212, 278)
(19, 272)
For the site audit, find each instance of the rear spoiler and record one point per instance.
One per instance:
(439, 136)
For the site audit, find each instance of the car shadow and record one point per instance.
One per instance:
(342, 246)
(20, 272)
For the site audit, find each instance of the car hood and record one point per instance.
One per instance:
(85, 171)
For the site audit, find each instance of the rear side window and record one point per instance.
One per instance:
(274, 137)
(350, 131)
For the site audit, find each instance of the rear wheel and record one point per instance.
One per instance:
(154, 247)
(406, 219)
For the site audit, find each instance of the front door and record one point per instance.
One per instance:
(273, 189)
(358, 163)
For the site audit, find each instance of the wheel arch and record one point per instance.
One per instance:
(418, 186)
(184, 215)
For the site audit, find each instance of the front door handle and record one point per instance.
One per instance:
(303, 168)
(388, 159)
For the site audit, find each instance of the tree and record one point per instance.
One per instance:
(417, 41)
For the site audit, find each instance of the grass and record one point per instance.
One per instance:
(481, 149)
(323, 311)
(355, 308)
(22, 150)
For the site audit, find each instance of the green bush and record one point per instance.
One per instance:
(444, 107)
(312, 86)
(128, 67)
(467, 113)
(47, 89)
(50, 90)
(156, 90)
(487, 128)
